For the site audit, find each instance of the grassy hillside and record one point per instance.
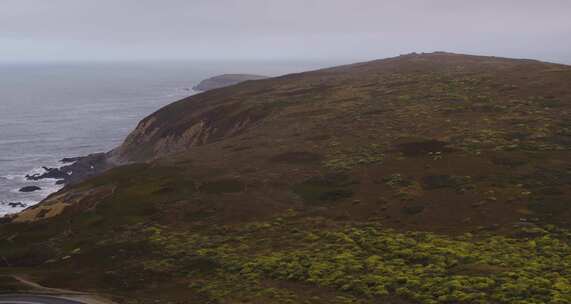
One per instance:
(425, 178)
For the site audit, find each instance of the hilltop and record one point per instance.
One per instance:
(225, 80)
(431, 178)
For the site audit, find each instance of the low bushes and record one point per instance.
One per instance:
(368, 263)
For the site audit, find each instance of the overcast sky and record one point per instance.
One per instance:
(332, 30)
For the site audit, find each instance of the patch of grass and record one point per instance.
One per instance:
(413, 208)
(506, 161)
(550, 205)
(404, 98)
(298, 157)
(421, 148)
(347, 159)
(222, 186)
(551, 103)
(328, 188)
(397, 180)
(431, 182)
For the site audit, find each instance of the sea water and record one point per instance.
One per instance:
(49, 111)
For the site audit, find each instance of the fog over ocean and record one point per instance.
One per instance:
(57, 110)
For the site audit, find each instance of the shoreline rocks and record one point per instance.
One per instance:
(68, 160)
(16, 205)
(55, 173)
(77, 170)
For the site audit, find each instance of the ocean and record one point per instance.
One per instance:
(50, 111)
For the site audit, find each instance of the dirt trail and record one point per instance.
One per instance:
(83, 297)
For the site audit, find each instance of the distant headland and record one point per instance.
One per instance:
(225, 80)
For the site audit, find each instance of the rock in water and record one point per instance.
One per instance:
(30, 189)
(17, 205)
(77, 170)
(55, 173)
(70, 159)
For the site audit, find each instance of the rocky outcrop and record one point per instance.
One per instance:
(79, 169)
(225, 80)
(14, 204)
(30, 189)
(55, 173)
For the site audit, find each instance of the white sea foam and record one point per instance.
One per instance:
(38, 196)
(47, 185)
(39, 170)
(12, 177)
(5, 208)
(49, 189)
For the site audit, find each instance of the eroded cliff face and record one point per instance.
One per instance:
(168, 131)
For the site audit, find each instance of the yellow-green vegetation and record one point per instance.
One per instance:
(397, 180)
(363, 263)
(348, 158)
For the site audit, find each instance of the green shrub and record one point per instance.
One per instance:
(371, 263)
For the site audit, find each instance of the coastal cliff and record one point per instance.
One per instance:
(430, 178)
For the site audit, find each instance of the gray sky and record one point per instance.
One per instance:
(332, 30)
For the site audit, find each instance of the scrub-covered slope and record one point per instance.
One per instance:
(433, 178)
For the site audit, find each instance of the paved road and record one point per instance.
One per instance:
(32, 299)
